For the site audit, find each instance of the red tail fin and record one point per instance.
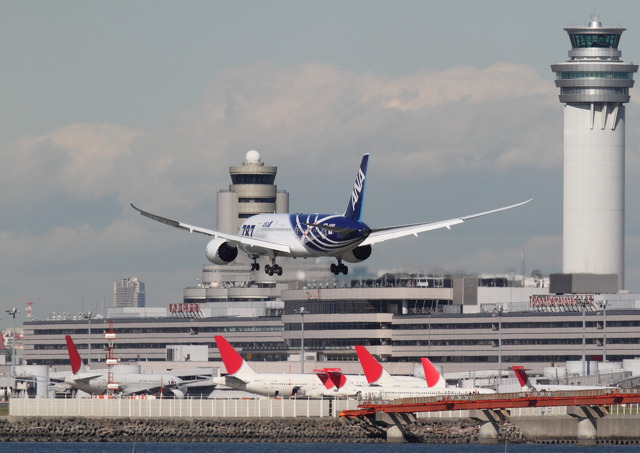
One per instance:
(336, 376)
(74, 356)
(372, 369)
(431, 374)
(230, 357)
(324, 378)
(331, 377)
(521, 374)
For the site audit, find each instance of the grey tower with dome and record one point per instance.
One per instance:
(252, 191)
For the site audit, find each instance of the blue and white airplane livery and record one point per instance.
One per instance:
(344, 237)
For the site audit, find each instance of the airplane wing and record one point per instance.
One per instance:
(132, 389)
(234, 382)
(232, 238)
(384, 234)
(86, 376)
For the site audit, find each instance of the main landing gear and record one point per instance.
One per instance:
(255, 266)
(273, 268)
(339, 268)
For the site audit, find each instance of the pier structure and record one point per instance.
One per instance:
(587, 406)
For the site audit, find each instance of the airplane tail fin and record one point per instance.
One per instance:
(354, 206)
(331, 377)
(324, 378)
(233, 361)
(521, 374)
(74, 356)
(337, 377)
(375, 374)
(432, 375)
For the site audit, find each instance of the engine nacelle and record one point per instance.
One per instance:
(358, 254)
(219, 252)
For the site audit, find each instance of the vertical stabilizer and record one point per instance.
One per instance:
(233, 362)
(432, 375)
(337, 377)
(354, 206)
(74, 357)
(521, 374)
(375, 374)
(324, 377)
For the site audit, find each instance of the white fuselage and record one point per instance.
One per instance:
(295, 231)
(127, 383)
(390, 393)
(277, 385)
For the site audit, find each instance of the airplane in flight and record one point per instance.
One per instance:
(96, 382)
(526, 384)
(344, 237)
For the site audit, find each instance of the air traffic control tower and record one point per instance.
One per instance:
(594, 86)
(252, 191)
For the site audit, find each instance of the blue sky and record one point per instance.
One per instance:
(107, 103)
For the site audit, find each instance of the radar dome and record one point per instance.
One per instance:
(252, 157)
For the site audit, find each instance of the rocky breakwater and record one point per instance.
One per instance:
(308, 430)
(76, 429)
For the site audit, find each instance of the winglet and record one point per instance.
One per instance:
(354, 206)
(74, 356)
(431, 374)
(233, 361)
(371, 367)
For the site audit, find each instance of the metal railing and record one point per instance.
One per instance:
(169, 407)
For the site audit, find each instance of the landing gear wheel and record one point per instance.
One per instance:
(255, 266)
(339, 268)
(273, 269)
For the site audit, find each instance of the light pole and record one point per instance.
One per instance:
(498, 312)
(88, 315)
(429, 338)
(603, 304)
(301, 312)
(584, 339)
(13, 312)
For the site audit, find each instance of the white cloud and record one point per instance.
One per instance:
(310, 120)
(81, 161)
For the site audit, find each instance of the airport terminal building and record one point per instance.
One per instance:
(463, 324)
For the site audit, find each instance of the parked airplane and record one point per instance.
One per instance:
(344, 237)
(526, 384)
(241, 376)
(376, 374)
(379, 378)
(96, 382)
(343, 386)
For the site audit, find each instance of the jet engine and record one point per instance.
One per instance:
(358, 254)
(218, 251)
